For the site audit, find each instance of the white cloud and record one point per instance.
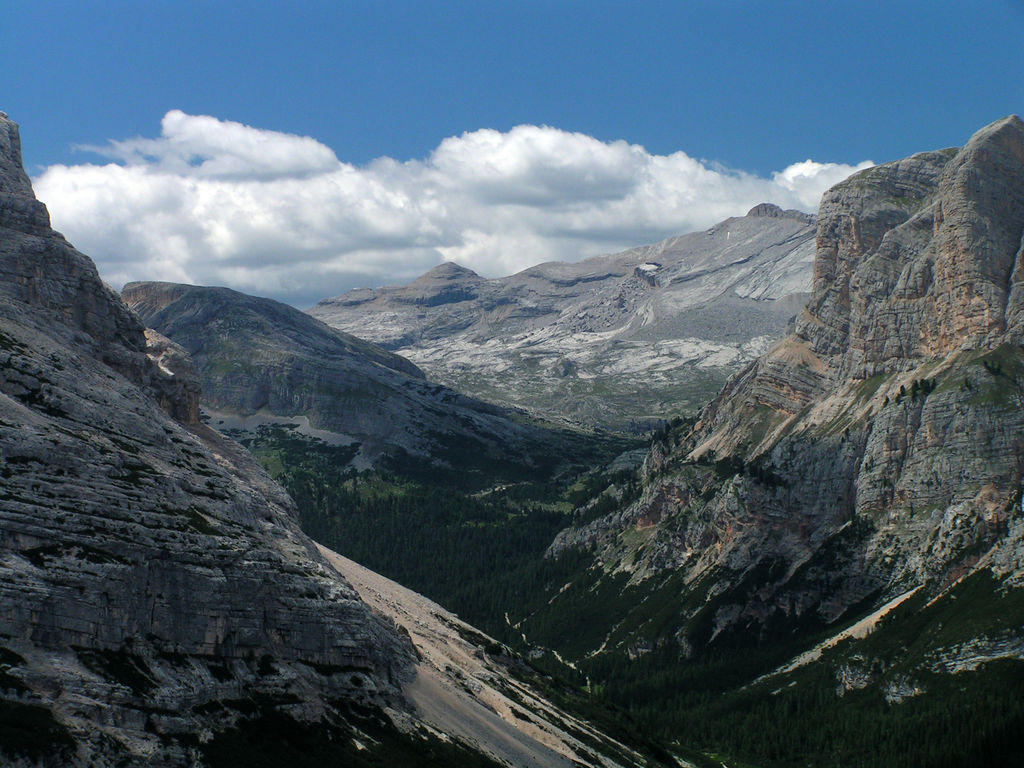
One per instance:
(807, 180)
(220, 203)
(199, 145)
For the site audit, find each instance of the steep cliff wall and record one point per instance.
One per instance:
(159, 604)
(149, 570)
(881, 445)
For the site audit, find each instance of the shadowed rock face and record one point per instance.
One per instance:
(148, 567)
(881, 445)
(629, 336)
(260, 360)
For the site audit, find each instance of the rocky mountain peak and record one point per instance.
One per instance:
(938, 235)
(875, 450)
(13, 179)
(19, 209)
(773, 211)
(45, 282)
(134, 538)
(159, 604)
(262, 362)
(447, 283)
(237, 318)
(149, 297)
(448, 270)
(615, 339)
(910, 343)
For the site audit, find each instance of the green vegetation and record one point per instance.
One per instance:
(969, 720)
(197, 522)
(652, 653)
(733, 465)
(1001, 387)
(706, 703)
(121, 666)
(476, 551)
(866, 390)
(40, 556)
(919, 388)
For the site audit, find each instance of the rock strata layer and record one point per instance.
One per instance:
(159, 605)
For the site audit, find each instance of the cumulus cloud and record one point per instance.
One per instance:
(220, 203)
(199, 145)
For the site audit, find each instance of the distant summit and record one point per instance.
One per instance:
(263, 363)
(448, 270)
(773, 211)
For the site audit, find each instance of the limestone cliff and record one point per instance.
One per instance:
(148, 568)
(881, 445)
(159, 605)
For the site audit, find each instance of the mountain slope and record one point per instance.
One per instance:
(632, 336)
(158, 602)
(148, 568)
(262, 362)
(874, 455)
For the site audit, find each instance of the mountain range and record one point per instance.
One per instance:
(848, 509)
(617, 341)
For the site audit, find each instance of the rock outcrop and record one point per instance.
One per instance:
(881, 445)
(148, 568)
(613, 340)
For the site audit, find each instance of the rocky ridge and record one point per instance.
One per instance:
(158, 602)
(878, 448)
(262, 362)
(631, 336)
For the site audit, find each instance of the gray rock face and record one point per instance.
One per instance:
(158, 602)
(262, 361)
(880, 446)
(629, 336)
(148, 568)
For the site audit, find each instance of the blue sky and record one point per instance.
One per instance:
(748, 88)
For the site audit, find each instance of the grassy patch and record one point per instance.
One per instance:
(867, 388)
(197, 522)
(40, 556)
(1001, 387)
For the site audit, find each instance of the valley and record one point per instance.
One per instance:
(750, 496)
(847, 469)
